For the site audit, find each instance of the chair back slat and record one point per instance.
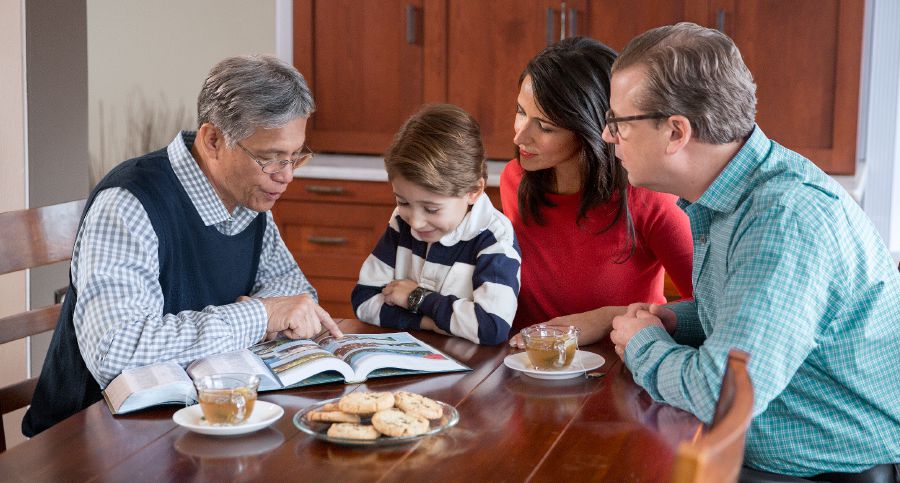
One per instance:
(32, 238)
(24, 324)
(38, 236)
(719, 453)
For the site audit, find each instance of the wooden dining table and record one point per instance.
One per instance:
(512, 427)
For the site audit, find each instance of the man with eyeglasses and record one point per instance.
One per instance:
(177, 256)
(787, 267)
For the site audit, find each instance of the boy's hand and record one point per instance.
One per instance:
(397, 292)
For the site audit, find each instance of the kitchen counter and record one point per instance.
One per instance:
(366, 168)
(371, 168)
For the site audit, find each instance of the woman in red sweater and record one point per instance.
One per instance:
(591, 243)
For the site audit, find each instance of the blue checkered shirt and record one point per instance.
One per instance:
(788, 268)
(118, 318)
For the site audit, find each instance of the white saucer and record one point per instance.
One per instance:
(264, 414)
(583, 361)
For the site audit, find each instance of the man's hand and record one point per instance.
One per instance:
(637, 317)
(594, 325)
(298, 317)
(397, 292)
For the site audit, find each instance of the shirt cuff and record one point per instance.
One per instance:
(643, 355)
(688, 330)
(248, 320)
(639, 343)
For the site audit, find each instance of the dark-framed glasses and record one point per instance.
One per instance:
(613, 122)
(272, 166)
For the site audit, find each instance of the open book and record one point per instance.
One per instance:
(282, 363)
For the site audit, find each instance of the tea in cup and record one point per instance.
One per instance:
(227, 399)
(550, 348)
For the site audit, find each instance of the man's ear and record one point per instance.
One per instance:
(209, 141)
(680, 133)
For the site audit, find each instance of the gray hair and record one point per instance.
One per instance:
(244, 93)
(696, 72)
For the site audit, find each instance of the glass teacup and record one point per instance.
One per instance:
(550, 348)
(227, 399)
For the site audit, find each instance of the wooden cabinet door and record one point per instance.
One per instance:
(615, 22)
(488, 45)
(805, 58)
(365, 63)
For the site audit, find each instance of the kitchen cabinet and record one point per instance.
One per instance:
(331, 226)
(372, 63)
(366, 63)
(488, 46)
(805, 57)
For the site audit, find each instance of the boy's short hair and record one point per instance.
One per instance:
(440, 149)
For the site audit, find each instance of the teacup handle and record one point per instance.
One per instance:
(560, 346)
(240, 402)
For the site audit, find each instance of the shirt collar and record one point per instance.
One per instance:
(727, 190)
(199, 190)
(476, 220)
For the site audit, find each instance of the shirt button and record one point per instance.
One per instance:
(703, 239)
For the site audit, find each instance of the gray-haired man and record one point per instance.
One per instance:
(177, 255)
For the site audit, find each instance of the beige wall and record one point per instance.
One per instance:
(147, 58)
(12, 183)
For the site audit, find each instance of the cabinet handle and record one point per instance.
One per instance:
(549, 26)
(325, 190)
(327, 240)
(573, 23)
(720, 20)
(410, 24)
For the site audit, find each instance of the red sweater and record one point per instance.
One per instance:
(569, 269)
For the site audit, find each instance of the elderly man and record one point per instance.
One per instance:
(786, 267)
(177, 256)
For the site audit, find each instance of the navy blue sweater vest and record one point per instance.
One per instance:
(198, 265)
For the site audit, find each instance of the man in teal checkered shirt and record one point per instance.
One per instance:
(786, 267)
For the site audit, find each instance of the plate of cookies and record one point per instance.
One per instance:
(376, 418)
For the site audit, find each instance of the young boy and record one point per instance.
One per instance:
(448, 261)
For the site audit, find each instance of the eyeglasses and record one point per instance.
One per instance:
(273, 166)
(613, 122)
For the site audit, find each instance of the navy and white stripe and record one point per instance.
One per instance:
(115, 269)
(473, 270)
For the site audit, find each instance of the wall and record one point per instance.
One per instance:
(56, 49)
(12, 183)
(148, 60)
(881, 115)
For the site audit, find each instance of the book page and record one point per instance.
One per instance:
(294, 360)
(144, 379)
(399, 350)
(282, 354)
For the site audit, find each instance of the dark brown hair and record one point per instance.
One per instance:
(571, 86)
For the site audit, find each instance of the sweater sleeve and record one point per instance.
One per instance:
(486, 318)
(376, 272)
(667, 231)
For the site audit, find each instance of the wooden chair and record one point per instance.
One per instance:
(28, 239)
(718, 454)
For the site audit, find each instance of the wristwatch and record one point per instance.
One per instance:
(415, 299)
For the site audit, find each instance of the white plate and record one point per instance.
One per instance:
(264, 414)
(583, 361)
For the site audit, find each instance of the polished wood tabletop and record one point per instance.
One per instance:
(511, 428)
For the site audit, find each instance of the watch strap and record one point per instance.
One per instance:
(415, 299)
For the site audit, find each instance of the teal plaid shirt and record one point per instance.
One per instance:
(788, 268)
